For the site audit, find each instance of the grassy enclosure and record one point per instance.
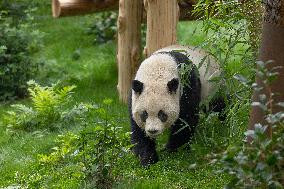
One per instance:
(68, 56)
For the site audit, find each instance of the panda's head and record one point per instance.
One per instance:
(156, 94)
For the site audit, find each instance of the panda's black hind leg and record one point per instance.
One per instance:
(218, 105)
(180, 134)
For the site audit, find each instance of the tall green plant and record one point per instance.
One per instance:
(231, 23)
(261, 163)
(233, 33)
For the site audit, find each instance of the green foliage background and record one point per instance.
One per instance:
(19, 40)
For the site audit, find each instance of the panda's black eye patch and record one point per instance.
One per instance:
(162, 116)
(144, 116)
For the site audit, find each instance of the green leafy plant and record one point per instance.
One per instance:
(15, 11)
(261, 163)
(104, 28)
(18, 41)
(230, 24)
(48, 105)
(85, 159)
(233, 33)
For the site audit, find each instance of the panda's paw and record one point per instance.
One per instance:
(171, 150)
(147, 160)
(171, 147)
(174, 147)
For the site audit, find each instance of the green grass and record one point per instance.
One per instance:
(95, 74)
(174, 170)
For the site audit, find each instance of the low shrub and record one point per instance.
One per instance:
(15, 11)
(18, 42)
(104, 28)
(82, 160)
(46, 112)
(259, 164)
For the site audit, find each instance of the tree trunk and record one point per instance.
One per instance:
(79, 7)
(129, 44)
(272, 48)
(162, 19)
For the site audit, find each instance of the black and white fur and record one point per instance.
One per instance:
(159, 99)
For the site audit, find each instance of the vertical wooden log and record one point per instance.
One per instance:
(162, 19)
(129, 44)
(272, 48)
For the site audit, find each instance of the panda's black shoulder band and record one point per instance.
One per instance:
(178, 56)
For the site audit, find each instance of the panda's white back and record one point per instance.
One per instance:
(208, 70)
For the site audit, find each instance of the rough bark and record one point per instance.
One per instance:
(129, 44)
(272, 48)
(162, 19)
(62, 8)
(78, 7)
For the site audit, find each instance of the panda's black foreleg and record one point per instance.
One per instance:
(145, 147)
(181, 133)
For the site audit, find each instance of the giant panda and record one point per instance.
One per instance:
(167, 91)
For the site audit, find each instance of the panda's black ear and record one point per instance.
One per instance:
(173, 85)
(137, 86)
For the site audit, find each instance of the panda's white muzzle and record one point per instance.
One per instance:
(153, 127)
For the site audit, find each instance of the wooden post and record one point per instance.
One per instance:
(79, 7)
(272, 48)
(129, 44)
(162, 19)
(62, 8)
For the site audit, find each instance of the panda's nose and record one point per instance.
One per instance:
(153, 131)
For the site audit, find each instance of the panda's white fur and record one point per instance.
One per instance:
(155, 72)
(208, 70)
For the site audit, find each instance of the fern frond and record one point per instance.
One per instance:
(48, 105)
(65, 92)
